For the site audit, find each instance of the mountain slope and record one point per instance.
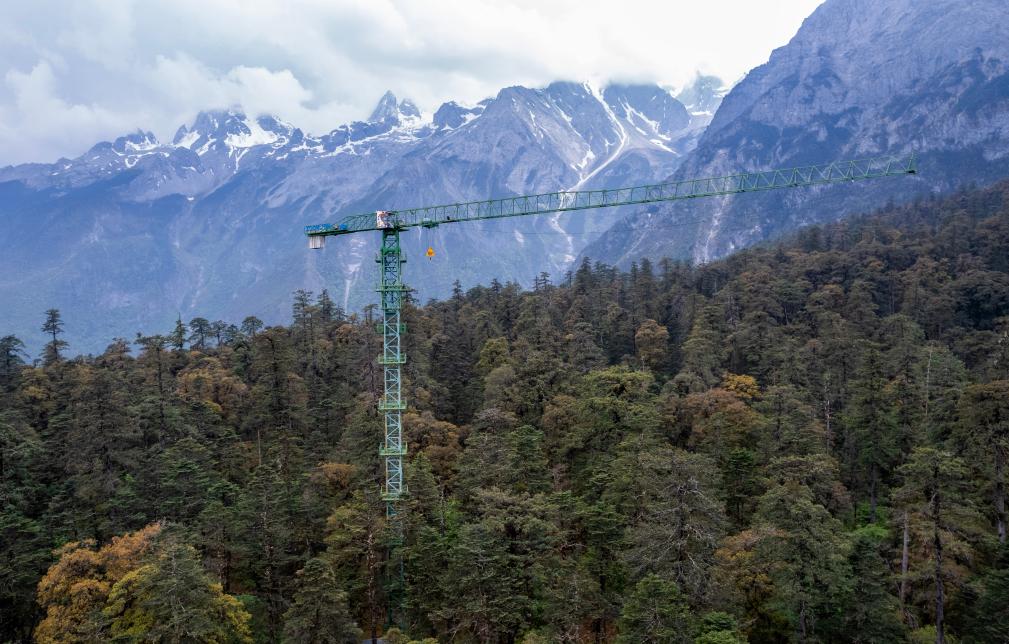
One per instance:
(860, 78)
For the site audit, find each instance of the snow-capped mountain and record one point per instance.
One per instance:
(138, 231)
(860, 78)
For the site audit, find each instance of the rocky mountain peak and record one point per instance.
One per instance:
(387, 108)
(703, 94)
(648, 104)
(452, 115)
(390, 109)
(138, 141)
(407, 108)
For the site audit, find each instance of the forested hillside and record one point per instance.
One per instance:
(805, 442)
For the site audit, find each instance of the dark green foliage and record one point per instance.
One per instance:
(989, 615)
(12, 356)
(318, 612)
(871, 436)
(201, 329)
(656, 613)
(807, 553)
(676, 516)
(711, 454)
(177, 338)
(719, 628)
(53, 326)
(945, 526)
(874, 615)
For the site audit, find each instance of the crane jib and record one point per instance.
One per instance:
(563, 201)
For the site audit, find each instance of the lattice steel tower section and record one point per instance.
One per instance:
(392, 290)
(390, 257)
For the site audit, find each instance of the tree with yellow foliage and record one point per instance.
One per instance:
(147, 585)
(75, 589)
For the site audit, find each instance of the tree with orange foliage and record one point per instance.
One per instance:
(145, 585)
(74, 590)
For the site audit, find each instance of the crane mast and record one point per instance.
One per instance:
(391, 289)
(390, 258)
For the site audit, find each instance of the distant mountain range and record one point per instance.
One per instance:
(136, 232)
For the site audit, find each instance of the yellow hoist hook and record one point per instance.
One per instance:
(430, 252)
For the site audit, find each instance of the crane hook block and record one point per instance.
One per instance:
(430, 252)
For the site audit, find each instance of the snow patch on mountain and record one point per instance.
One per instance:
(253, 136)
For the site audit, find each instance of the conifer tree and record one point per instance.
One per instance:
(355, 543)
(318, 613)
(53, 326)
(655, 613)
(201, 332)
(676, 516)
(24, 542)
(874, 614)
(985, 418)
(806, 550)
(945, 525)
(178, 336)
(12, 355)
(989, 615)
(498, 566)
(218, 330)
(251, 325)
(719, 628)
(327, 309)
(528, 469)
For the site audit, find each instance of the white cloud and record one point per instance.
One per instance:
(80, 72)
(39, 116)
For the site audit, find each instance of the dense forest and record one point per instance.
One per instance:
(805, 442)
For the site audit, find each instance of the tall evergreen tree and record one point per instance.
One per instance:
(53, 326)
(985, 417)
(874, 614)
(945, 525)
(989, 615)
(872, 434)
(12, 355)
(178, 336)
(319, 614)
(676, 516)
(201, 333)
(656, 613)
(807, 552)
(251, 325)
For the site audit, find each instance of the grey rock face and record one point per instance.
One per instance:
(860, 78)
(136, 232)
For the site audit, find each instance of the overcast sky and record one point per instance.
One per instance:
(76, 72)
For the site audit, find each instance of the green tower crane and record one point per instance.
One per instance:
(390, 223)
